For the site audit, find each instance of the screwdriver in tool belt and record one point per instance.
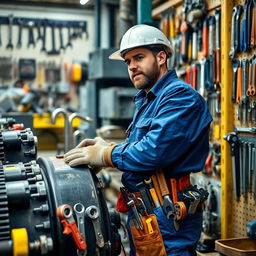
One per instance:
(152, 192)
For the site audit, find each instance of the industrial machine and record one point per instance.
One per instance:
(107, 96)
(49, 208)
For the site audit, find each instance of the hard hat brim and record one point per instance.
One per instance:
(117, 54)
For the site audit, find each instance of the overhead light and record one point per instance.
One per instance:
(84, 2)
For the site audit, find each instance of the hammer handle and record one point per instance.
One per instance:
(157, 188)
(239, 85)
(162, 183)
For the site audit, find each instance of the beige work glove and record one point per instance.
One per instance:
(94, 152)
(95, 141)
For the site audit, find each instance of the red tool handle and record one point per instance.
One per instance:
(205, 39)
(76, 235)
(208, 165)
(64, 213)
(188, 75)
(184, 40)
(194, 72)
(174, 190)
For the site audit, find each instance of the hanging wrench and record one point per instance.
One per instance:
(65, 214)
(31, 40)
(92, 212)
(202, 76)
(21, 24)
(79, 211)
(10, 19)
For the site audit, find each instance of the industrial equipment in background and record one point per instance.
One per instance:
(49, 208)
(109, 80)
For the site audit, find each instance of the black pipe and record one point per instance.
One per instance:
(111, 28)
(98, 23)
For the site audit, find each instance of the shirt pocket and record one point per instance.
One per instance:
(142, 127)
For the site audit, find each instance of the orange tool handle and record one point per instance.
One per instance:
(174, 190)
(40, 77)
(76, 235)
(188, 75)
(205, 40)
(248, 91)
(162, 182)
(184, 40)
(239, 85)
(217, 66)
(152, 192)
(157, 188)
(253, 29)
(189, 48)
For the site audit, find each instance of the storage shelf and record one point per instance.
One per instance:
(171, 3)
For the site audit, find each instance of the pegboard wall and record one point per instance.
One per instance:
(241, 209)
(244, 207)
(243, 212)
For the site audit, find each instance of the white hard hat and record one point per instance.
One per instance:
(139, 36)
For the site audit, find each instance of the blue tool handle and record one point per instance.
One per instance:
(244, 36)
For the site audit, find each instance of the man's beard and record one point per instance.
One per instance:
(150, 78)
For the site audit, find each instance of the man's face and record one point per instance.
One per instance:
(143, 68)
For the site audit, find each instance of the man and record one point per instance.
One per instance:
(169, 131)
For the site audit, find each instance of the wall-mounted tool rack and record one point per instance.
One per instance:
(243, 102)
(4, 20)
(75, 29)
(236, 211)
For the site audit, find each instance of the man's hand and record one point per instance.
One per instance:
(95, 141)
(93, 152)
(90, 155)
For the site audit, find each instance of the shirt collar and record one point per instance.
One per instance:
(160, 84)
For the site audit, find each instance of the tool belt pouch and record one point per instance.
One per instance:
(146, 243)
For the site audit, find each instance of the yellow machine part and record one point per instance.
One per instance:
(76, 73)
(20, 242)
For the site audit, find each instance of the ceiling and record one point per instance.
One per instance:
(50, 3)
(58, 3)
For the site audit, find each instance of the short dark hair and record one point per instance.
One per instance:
(158, 48)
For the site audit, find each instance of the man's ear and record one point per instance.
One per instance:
(161, 57)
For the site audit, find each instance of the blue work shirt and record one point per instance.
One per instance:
(169, 130)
